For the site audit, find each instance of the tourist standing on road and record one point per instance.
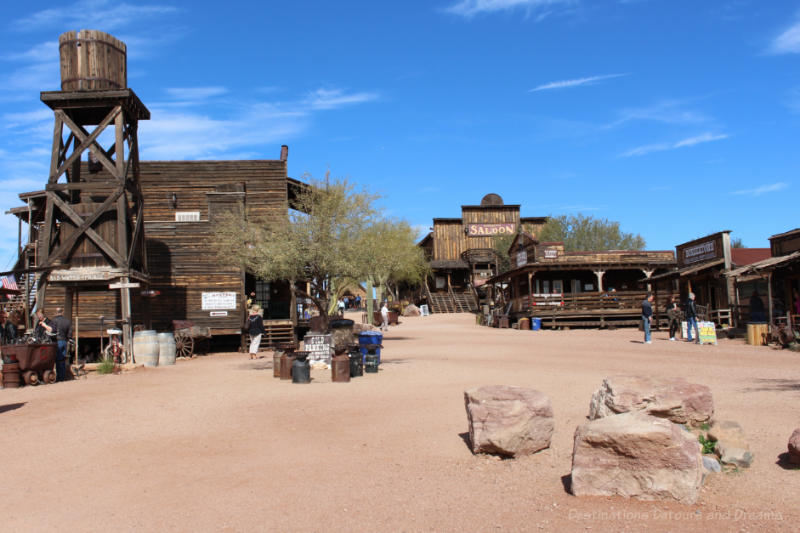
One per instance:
(256, 330)
(384, 316)
(647, 316)
(358, 302)
(63, 332)
(8, 331)
(690, 312)
(43, 328)
(672, 314)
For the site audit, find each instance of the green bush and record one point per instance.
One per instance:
(708, 445)
(106, 366)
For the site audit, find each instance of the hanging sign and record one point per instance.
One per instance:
(522, 258)
(213, 301)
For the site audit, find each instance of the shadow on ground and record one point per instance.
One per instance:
(783, 462)
(10, 406)
(780, 385)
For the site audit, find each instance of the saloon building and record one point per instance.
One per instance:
(462, 252)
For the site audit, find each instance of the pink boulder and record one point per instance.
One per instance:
(672, 398)
(794, 447)
(635, 455)
(508, 420)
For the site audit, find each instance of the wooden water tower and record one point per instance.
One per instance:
(93, 232)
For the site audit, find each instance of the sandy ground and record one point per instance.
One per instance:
(218, 444)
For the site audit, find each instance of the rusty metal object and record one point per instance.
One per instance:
(340, 369)
(286, 366)
(32, 360)
(276, 363)
(49, 376)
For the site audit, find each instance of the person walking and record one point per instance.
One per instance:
(384, 316)
(690, 313)
(647, 317)
(256, 330)
(672, 314)
(63, 331)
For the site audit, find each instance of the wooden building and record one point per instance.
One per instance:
(776, 278)
(182, 201)
(567, 289)
(462, 254)
(702, 267)
(115, 241)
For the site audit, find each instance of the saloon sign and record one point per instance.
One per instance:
(491, 230)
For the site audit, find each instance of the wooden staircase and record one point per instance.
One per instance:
(464, 302)
(452, 302)
(441, 302)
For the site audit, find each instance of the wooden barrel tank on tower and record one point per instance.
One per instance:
(92, 61)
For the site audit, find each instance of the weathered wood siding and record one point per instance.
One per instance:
(181, 258)
(448, 240)
(180, 255)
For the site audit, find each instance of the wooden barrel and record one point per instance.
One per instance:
(11, 376)
(92, 61)
(166, 349)
(145, 348)
(755, 334)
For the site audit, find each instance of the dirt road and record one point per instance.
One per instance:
(218, 444)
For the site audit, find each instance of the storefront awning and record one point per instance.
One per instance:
(767, 265)
(686, 271)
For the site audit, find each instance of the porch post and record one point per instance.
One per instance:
(648, 274)
(530, 292)
(599, 274)
(769, 295)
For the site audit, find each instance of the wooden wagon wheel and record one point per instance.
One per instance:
(184, 345)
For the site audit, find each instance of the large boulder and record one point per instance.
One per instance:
(411, 310)
(636, 456)
(672, 398)
(794, 447)
(731, 445)
(508, 420)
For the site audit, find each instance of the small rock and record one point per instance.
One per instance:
(711, 464)
(731, 446)
(411, 310)
(794, 447)
(509, 421)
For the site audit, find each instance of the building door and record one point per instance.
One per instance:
(576, 286)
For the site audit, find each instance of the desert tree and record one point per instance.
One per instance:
(586, 233)
(319, 242)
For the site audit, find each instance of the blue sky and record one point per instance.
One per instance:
(676, 117)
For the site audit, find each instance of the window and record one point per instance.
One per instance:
(187, 216)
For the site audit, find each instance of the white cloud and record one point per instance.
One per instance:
(787, 42)
(660, 147)
(334, 98)
(105, 14)
(563, 84)
(667, 112)
(470, 8)
(175, 132)
(703, 138)
(764, 189)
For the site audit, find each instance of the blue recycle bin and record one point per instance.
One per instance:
(536, 324)
(369, 342)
